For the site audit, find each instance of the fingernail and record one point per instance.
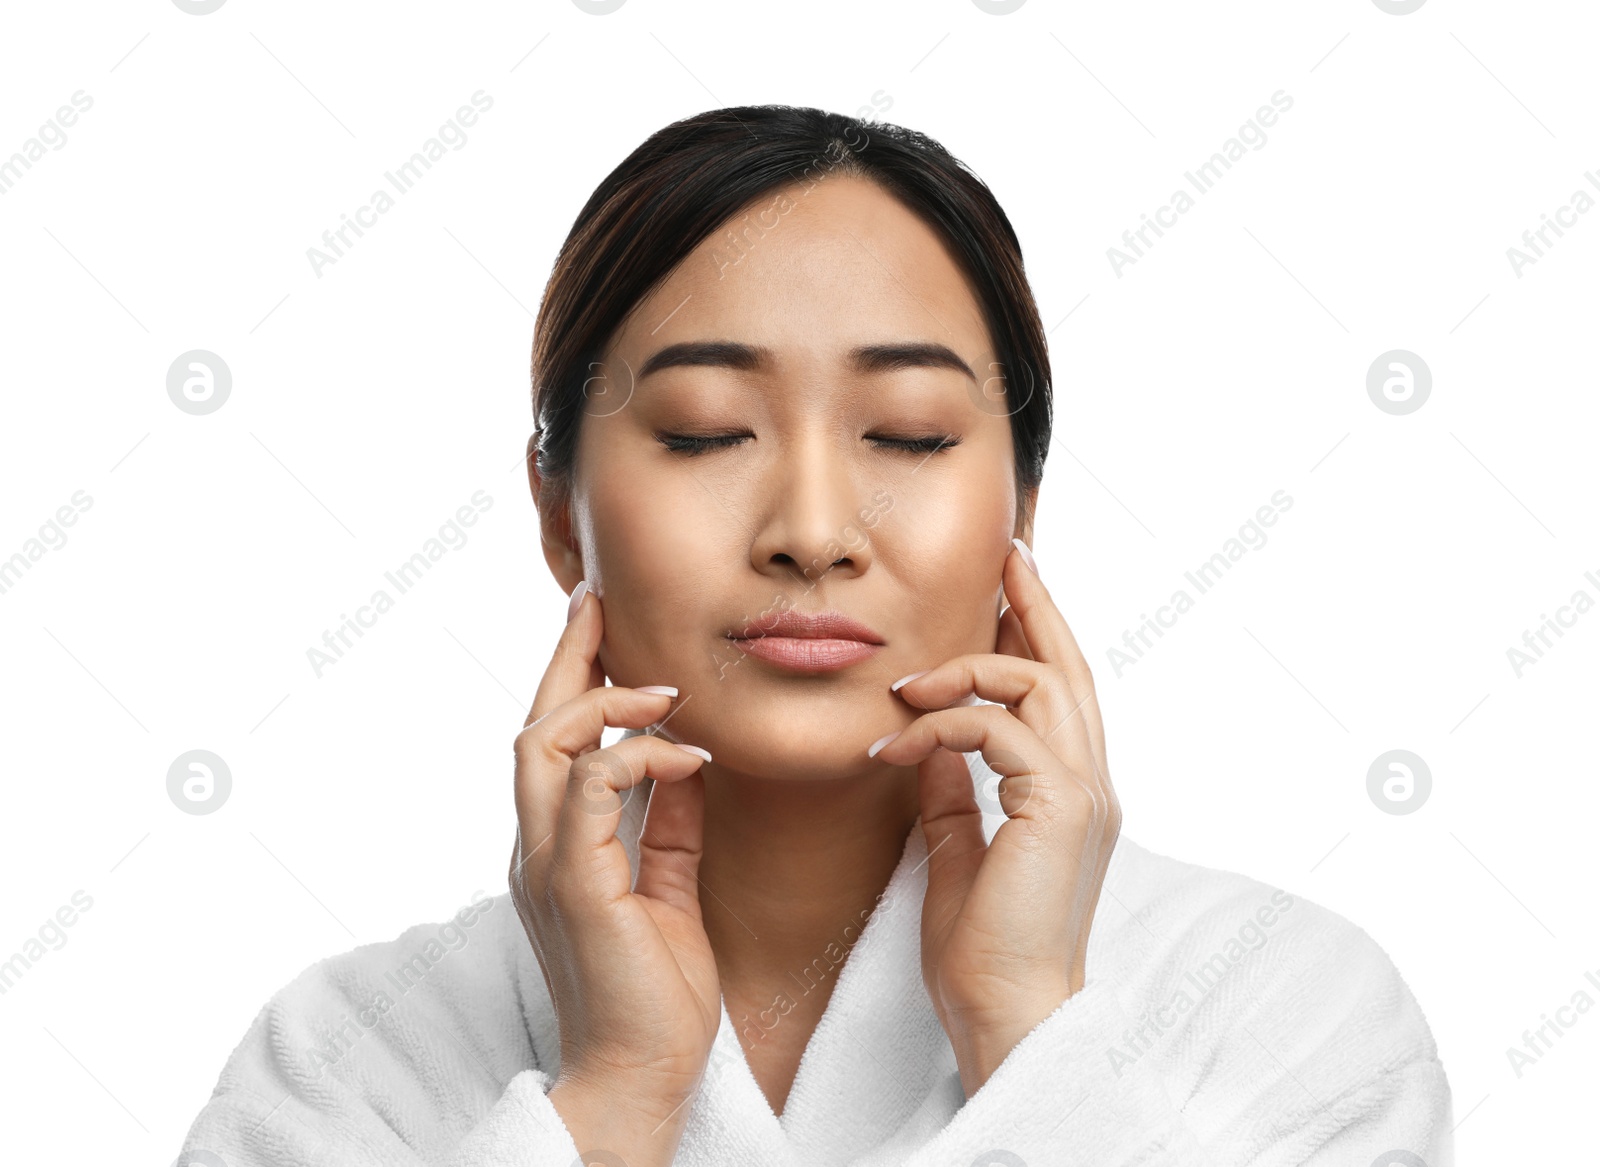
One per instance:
(908, 678)
(577, 598)
(1027, 556)
(667, 689)
(872, 750)
(695, 750)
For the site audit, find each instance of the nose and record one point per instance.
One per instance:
(809, 526)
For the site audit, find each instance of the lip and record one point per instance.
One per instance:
(808, 642)
(794, 624)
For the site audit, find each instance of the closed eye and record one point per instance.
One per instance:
(925, 445)
(698, 444)
(693, 444)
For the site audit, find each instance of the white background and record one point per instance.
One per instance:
(370, 402)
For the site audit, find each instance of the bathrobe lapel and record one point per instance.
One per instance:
(876, 1061)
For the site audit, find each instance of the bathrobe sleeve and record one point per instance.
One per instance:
(1314, 1054)
(326, 1078)
(522, 1130)
(243, 1129)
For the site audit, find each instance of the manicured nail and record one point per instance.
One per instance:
(695, 750)
(908, 678)
(666, 689)
(1027, 556)
(577, 598)
(872, 750)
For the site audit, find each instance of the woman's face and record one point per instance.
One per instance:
(838, 320)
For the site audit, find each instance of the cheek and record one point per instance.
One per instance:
(957, 521)
(653, 551)
(949, 539)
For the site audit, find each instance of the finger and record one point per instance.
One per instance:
(1053, 815)
(952, 825)
(949, 803)
(588, 857)
(575, 661)
(1038, 693)
(1033, 776)
(546, 750)
(1009, 639)
(1050, 640)
(1010, 680)
(672, 842)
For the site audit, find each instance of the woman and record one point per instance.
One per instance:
(850, 888)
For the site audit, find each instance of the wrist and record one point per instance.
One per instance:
(638, 1124)
(982, 1043)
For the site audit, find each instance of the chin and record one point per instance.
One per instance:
(795, 737)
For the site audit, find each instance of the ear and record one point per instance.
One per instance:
(555, 524)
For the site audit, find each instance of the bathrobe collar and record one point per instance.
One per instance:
(876, 1057)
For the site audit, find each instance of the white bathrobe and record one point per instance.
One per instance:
(1223, 1023)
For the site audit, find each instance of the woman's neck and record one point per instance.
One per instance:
(792, 870)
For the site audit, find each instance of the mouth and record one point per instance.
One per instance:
(808, 642)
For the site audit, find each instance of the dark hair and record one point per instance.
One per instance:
(693, 176)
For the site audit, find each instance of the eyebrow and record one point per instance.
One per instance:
(867, 358)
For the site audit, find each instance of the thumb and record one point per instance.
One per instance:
(952, 825)
(671, 843)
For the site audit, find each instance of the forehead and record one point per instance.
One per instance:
(815, 270)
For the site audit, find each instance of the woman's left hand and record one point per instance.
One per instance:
(1005, 925)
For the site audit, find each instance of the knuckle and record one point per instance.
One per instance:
(1080, 800)
(597, 775)
(527, 746)
(561, 883)
(993, 716)
(1046, 684)
(598, 761)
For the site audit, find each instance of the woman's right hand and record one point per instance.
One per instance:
(628, 964)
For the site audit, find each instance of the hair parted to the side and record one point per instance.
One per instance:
(690, 178)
